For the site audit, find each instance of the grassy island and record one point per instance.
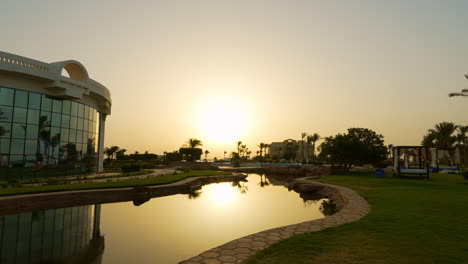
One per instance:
(110, 183)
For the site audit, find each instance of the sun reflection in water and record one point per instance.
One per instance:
(221, 194)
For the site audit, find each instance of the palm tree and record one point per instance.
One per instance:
(389, 150)
(303, 136)
(309, 141)
(429, 139)
(315, 137)
(120, 153)
(462, 132)
(3, 131)
(261, 146)
(444, 134)
(225, 152)
(109, 153)
(239, 143)
(206, 154)
(193, 143)
(464, 92)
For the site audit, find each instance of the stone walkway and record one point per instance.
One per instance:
(353, 207)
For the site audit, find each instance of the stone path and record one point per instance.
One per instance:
(353, 208)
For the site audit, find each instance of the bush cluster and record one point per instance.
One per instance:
(464, 173)
(130, 167)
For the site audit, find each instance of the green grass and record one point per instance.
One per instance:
(411, 221)
(110, 184)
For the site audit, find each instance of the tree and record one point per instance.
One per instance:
(315, 138)
(389, 150)
(206, 154)
(194, 143)
(235, 159)
(461, 136)
(239, 143)
(191, 154)
(441, 136)
(261, 146)
(358, 146)
(3, 131)
(225, 152)
(110, 151)
(120, 154)
(303, 137)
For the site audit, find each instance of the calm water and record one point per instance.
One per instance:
(162, 230)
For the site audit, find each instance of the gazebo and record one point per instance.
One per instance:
(415, 161)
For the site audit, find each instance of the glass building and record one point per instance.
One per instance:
(50, 124)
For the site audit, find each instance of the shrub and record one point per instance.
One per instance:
(14, 182)
(464, 173)
(55, 181)
(317, 162)
(381, 164)
(130, 167)
(183, 169)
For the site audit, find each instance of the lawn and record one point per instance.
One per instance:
(110, 183)
(411, 221)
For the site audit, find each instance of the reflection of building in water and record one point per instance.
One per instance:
(66, 235)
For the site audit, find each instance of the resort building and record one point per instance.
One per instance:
(290, 150)
(50, 124)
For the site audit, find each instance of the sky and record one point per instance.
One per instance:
(255, 71)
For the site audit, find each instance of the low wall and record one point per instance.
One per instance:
(193, 165)
(299, 171)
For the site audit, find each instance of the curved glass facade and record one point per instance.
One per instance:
(41, 135)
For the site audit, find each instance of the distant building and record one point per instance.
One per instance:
(50, 124)
(290, 150)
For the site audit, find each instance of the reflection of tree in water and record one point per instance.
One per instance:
(3, 130)
(194, 193)
(263, 180)
(44, 136)
(328, 207)
(240, 186)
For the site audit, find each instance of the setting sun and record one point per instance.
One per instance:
(223, 121)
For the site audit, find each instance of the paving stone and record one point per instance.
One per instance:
(211, 261)
(210, 254)
(227, 259)
(243, 250)
(227, 252)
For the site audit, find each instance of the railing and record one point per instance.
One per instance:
(24, 62)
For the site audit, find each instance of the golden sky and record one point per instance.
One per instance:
(256, 71)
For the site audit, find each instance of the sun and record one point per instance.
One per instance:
(223, 120)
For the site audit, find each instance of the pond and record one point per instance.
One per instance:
(163, 230)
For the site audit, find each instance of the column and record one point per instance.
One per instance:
(102, 126)
(97, 221)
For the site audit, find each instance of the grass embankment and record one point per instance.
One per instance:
(165, 179)
(411, 221)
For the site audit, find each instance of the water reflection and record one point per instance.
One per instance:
(66, 235)
(328, 207)
(161, 230)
